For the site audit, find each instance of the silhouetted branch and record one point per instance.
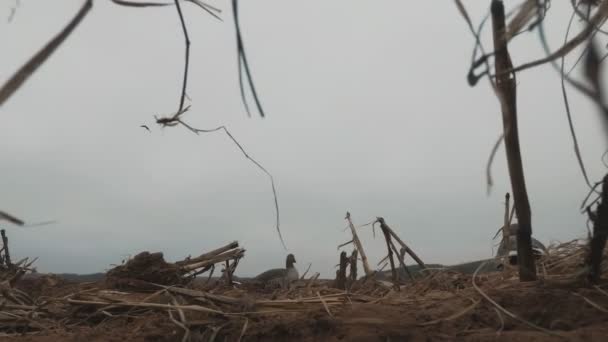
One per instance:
(187, 54)
(10, 218)
(17, 80)
(243, 64)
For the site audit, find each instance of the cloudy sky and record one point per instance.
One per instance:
(368, 110)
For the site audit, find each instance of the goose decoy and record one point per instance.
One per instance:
(281, 276)
(511, 251)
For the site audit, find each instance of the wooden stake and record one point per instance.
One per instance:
(506, 86)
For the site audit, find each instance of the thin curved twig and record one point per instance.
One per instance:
(243, 65)
(274, 191)
(577, 150)
(505, 311)
(489, 181)
(187, 62)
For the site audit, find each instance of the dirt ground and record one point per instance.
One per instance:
(446, 308)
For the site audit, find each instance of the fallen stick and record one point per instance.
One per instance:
(235, 253)
(324, 304)
(210, 254)
(148, 305)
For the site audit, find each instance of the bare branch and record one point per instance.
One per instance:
(17, 80)
(243, 65)
(10, 218)
(598, 17)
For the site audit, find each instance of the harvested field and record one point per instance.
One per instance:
(406, 144)
(441, 305)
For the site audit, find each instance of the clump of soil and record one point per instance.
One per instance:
(143, 269)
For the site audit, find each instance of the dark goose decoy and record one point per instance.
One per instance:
(281, 276)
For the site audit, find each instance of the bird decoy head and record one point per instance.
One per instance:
(290, 260)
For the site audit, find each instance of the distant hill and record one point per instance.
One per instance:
(82, 278)
(467, 268)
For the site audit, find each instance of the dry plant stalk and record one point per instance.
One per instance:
(341, 273)
(368, 271)
(10, 218)
(600, 233)
(506, 85)
(17, 80)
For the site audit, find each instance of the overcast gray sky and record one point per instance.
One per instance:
(368, 110)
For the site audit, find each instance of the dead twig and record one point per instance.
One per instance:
(306, 272)
(10, 218)
(17, 80)
(324, 304)
(246, 155)
(244, 329)
(592, 303)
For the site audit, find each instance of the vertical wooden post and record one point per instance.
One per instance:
(506, 86)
